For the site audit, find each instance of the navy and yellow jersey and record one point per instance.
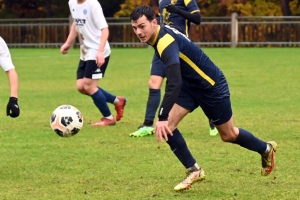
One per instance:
(178, 21)
(185, 62)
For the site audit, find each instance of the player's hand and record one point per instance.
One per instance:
(64, 48)
(12, 108)
(100, 59)
(172, 8)
(162, 130)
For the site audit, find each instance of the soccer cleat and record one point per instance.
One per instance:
(120, 108)
(268, 159)
(192, 177)
(213, 132)
(105, 122)
(142, 131)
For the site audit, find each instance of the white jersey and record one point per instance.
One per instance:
(5, 58)
(89, 19)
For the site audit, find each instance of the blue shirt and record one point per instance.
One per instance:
(185, 62)
(174, 19)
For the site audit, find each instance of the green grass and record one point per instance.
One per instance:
(105, 163)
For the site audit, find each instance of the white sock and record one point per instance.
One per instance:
(110, 117)
(116, 101)
(193, 167)
(268, 148)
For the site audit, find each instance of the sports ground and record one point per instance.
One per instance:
(105, 163)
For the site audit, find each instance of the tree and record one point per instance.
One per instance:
(110, 7)
(285, 7)
(48, 8)
(129, 5)
(295, 7)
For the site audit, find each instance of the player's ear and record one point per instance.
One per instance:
(154, 22)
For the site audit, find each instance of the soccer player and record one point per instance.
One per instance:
(193, 80)
(179, 14)
(92, 30)
(12, 108)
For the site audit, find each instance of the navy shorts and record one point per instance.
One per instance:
(157, 67)
(89, 69)
(218, 111)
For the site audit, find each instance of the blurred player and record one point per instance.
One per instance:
(179, 14)
(12, 108)
(91, 28)
(193, 81)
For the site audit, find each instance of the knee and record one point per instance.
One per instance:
(229, 135)
(172, 124)
(88, 89)
(172, 127)
(84, 89)
(81, 89)
(155, 82)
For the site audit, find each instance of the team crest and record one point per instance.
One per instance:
(85, 11)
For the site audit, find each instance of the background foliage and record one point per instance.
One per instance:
(122, 8)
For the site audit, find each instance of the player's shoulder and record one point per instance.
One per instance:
(165, 36)
(94, 2)
(162, 31)
(72, 2)
(189, 2)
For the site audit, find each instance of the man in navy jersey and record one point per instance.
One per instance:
(179, 14)
(193, 80)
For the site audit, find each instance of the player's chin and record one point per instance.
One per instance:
(143, 39)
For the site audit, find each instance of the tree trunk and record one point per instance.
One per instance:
(48, 9)
(285, 8)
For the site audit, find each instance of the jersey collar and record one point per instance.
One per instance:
(156, 36)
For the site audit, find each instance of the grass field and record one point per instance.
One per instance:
(105, 163)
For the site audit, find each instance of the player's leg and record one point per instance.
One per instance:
(185, 104)
(80, 76)
(222, 117)
(155, 83)
(88, 85)
(118, 101)
(213, 131)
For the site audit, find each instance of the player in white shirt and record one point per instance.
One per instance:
(12, 108)
(90, 26)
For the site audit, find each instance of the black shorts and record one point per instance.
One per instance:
(89, 69)
(217, 109)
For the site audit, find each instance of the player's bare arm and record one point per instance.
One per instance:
(104, 37)
(13, 82)
(72, 35)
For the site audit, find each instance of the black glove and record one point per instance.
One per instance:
(172, 9)
(12, 108)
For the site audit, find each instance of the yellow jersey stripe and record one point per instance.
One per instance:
(186, 2)
(194, 66)
(165, 41)
(194, 11)
(186, 28)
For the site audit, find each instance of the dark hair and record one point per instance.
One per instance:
(142, 10)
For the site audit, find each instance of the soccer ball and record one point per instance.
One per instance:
(66, 121)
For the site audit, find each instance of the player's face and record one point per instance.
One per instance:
(144, 29)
